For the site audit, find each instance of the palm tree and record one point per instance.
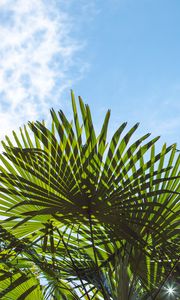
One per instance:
(84, 219)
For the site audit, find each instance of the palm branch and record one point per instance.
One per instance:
(101, 218)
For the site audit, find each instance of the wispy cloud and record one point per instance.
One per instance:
(37, 51)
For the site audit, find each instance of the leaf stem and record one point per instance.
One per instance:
(106, 296)
(72, 261)
(166, 278)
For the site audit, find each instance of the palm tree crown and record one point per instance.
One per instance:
(84, 218)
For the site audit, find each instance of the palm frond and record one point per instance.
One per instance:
(89, 215)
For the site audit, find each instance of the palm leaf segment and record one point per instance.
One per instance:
(90, 209)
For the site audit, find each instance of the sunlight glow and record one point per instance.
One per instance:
(170, 291)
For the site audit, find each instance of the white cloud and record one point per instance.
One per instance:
(37, 51)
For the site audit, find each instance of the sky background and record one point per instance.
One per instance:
(117, 54)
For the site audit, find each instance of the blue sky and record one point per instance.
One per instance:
(117, 54)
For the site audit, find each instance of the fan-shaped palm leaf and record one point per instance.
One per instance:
(102, 219)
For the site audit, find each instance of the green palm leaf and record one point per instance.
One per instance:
(89, 210)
